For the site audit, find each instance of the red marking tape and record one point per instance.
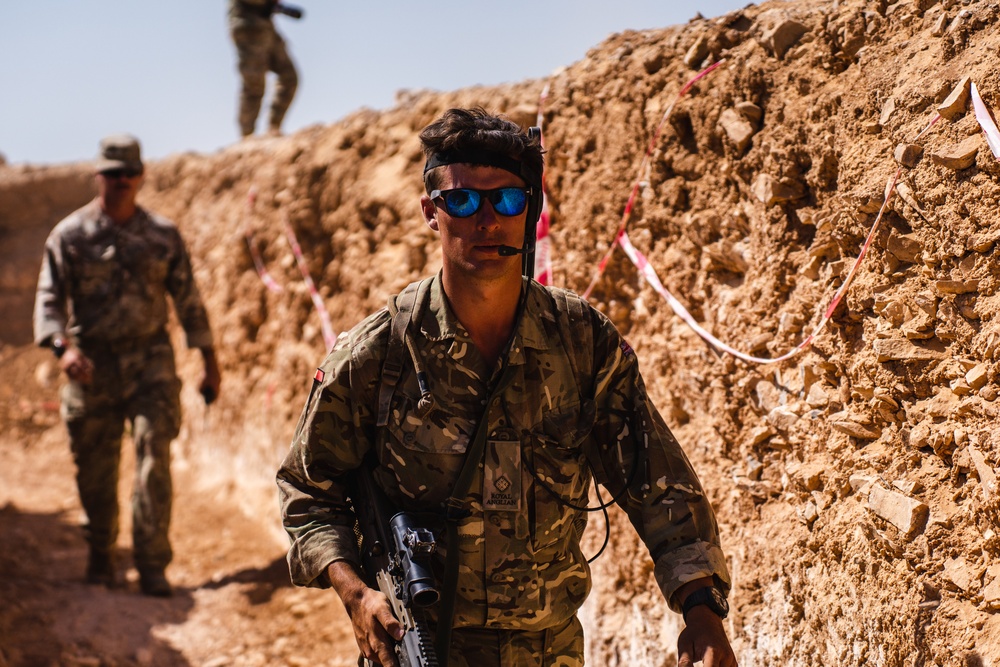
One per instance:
(543, 246)
(647, 271)
(642, 169)
(258, 261)
(329, 337)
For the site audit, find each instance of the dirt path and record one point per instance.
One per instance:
(233, 605)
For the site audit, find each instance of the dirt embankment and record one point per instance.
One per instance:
(855, 483)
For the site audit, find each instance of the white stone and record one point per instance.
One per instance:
(906, 514)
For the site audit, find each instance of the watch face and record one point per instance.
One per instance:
(719, 600)
(711, 597)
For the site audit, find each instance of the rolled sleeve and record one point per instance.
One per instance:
(330, 442)
(665, 501)
(687, 563)
(187, 299)
(50, 316)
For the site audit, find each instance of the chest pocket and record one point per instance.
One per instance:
(433, 432)
(425, 449)
(155, 272)
(145, 261)
(95, 273)
(558, 464)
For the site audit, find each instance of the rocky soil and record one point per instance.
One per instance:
(855, 483)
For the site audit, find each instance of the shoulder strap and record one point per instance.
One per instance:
(404, 309)
(576, 329)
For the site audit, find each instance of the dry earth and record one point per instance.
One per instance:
(855, 483)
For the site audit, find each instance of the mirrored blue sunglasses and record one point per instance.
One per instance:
(465, 202)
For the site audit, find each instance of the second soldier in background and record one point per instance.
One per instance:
(261, 49)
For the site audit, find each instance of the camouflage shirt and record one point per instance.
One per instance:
(103, 283)
(521, 565)
(250, 13)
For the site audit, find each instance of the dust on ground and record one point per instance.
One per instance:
(855, 484)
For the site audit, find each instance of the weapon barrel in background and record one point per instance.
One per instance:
(289, 10)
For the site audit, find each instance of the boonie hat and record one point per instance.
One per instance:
(119, 151)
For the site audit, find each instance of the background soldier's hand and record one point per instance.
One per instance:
(212, 379)
(77, 366)
(704, 638)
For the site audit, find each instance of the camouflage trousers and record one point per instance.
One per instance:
(135, 384)
(561, 646)
(261, 50)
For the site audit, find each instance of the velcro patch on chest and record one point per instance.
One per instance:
(502, 476)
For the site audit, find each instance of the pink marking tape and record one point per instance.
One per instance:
(647, 271)
(642, 169)
(258, 261)
(986, 122)
(543, 245)
(329, 337)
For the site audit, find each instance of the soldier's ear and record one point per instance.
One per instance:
(429, 211)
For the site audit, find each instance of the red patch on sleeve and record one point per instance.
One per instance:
(626, 348)
(319, 375)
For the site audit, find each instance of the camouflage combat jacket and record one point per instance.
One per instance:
(104, 284)
(250, 13)
(521, 565)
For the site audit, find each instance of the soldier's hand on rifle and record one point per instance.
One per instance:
(77, 366)
(376, 629)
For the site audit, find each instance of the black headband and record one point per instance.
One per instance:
(479, 157)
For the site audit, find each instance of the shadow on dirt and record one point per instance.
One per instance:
(265, 581)
(49, 616)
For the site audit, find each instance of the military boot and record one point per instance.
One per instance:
(154, 582)
(101, 568)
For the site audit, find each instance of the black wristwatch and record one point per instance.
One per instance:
(711, 597)
(58, 347)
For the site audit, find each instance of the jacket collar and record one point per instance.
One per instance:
(535, 329)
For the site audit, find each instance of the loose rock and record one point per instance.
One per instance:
(958, 157)
(908, 155)
(900, 349)
(737, 128)
(957, 102)
(906, 514)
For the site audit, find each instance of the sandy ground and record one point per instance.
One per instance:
(233, 603)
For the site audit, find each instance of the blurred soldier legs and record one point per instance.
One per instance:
(262, 50)
(146, 393)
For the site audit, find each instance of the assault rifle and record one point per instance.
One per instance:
(395, 557)
(288, 10)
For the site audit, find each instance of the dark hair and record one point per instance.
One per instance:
(466, 131)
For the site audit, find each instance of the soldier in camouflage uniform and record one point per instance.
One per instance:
(564, 407)
(102, 307)
(260, 49)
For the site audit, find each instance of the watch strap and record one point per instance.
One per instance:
(711, 597)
